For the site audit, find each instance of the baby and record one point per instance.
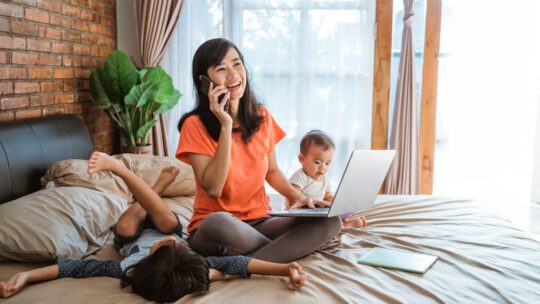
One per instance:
(316, 153)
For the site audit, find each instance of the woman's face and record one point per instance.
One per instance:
(231, 73)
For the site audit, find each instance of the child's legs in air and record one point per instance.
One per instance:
(149, 201)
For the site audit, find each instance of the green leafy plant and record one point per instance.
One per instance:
(132, 97)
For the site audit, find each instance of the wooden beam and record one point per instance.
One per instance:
(381, 75)
(429, 96)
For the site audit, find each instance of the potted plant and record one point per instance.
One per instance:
(132, 98)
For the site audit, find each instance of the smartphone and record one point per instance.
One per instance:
(205, 86)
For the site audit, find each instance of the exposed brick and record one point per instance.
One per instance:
(42, 99)
(26, 87)
(86, 84)
(38, 45)
(28, 113)
(4, 25)
(71, 61)
(82, 73)
(27, 2)
(89, 38)
(8, 103)
(71, 35)
(108, 21)
(62, 73)
(11, 10)
(106, 41)
(4, 58)
(39, 73)
(35, 15)
(83, 97)
(63, 98)
(15, 42)
(75, 108)
(50, 5)
(49, 32)
(24, 58)
(61, 20)
(71, 11)
(6, 88)
(59, 47)
(24, 28)
(7, 116)
(90, 16)
(12, 73)
(50, 59)
(53, 110)
(81, 49)
(89, 62)
(52, 86)
(72, 85)
(80, 25)
(84, 3)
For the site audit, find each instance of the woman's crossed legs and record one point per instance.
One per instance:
(274, 239)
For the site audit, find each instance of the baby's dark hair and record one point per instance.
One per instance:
(168, 274)
(316, 138)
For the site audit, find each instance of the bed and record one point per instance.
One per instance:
(483, 258)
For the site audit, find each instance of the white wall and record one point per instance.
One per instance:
(126, 24)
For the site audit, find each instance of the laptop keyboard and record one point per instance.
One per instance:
(307, 210)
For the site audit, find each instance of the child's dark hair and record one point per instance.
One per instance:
(168, 274)
(317, 138)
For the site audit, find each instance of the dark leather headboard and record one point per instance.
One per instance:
(29, 147)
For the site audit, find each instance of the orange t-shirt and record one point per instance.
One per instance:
(243, 193)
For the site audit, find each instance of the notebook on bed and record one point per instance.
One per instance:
(398, 259)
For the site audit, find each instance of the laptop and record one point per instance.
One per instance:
(358, 188)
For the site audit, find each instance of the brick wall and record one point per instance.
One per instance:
(47, 50)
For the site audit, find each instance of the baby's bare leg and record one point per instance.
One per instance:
(148, 199)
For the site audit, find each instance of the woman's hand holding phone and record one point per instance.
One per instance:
(218, 96)
(218, 108)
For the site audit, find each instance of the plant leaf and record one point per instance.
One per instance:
(121, 75)
(97, 91)
(143, 131)
(141, 94)
(169, 103)
(164, 82)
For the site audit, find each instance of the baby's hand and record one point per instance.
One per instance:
(297, 278)
(14, 285)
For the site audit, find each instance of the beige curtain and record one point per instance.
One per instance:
(156, 21)
(403, 175)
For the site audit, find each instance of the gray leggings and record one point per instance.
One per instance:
(273, 239)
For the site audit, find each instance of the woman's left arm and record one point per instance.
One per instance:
(278, 181)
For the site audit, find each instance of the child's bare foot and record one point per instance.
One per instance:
(103, 162)
(166, 177)
(354, 222)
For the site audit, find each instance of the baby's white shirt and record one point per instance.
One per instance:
(310, 187)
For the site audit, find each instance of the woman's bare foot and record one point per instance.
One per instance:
(103, 162)
(354, 222)
(166, 177)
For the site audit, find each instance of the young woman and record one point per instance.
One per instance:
(229, 140)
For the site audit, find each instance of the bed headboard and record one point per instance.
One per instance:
(29, 147)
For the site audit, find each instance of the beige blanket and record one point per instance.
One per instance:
(482, 259)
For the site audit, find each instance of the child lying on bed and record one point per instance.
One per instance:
(316, 153)
(157, 263)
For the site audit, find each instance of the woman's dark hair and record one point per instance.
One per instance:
(316, 138)
(208, 55)
(168, 274)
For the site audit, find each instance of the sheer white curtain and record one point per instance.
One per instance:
(311, 64)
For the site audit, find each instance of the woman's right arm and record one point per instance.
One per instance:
(211, 171)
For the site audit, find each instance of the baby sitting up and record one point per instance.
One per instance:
(158, 265)
(316, 153)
